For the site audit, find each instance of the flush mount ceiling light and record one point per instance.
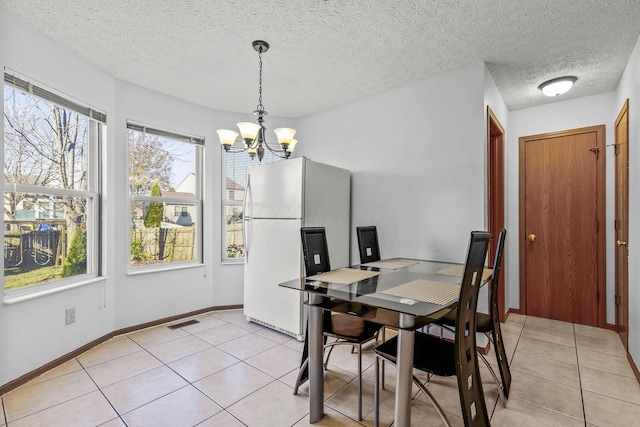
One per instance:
(555, 87)
(253, 135)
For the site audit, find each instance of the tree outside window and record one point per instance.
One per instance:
(50, 198)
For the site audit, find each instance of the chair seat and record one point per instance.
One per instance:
(483, 321)
(350, 328)
(431, 354)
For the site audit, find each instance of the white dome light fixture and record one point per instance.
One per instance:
(558, 86)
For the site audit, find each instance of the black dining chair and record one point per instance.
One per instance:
(368, 243)
(344, 328)
(441, 357)
(489, 324)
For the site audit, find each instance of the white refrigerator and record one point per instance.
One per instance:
(279, 199)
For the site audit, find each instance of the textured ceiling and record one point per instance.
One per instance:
(328, 53)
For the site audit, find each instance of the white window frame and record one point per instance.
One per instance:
(96, 131)
(196, 202)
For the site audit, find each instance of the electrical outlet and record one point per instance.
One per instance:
(70, 316)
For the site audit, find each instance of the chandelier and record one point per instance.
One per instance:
(253, 134)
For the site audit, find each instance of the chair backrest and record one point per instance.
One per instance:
(498, 344)
(368, 243)
(315, 250)
(474, 409)
(495, 274)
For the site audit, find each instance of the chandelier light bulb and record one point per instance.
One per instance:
(285, 135)
(227, 137)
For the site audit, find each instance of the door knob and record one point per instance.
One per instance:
(532, 237)
(619, 243)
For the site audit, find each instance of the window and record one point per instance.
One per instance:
(51, 187)
(235, 181)
(165, 185)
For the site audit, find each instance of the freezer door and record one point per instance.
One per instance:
(274, 256)
(275, 190)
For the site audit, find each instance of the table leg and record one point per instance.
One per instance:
(404, 374)
(316, 352)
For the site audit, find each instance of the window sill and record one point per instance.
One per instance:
(236, 261)
(14, 297)
(163, 269)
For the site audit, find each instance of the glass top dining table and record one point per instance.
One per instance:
(377, 299)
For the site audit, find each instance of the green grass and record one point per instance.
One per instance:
(15, 279)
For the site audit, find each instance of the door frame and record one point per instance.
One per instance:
(621, 303)
(495, 170)
(600, 215)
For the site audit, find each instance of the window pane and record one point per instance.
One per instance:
(47, 241)
(163, 232)
(49, 231)
(235, 184)
(170, 164)
(44, 145)
(235, 242)
(164, 181)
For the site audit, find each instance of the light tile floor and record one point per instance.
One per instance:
(225, 371)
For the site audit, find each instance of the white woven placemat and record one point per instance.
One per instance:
(426, 291)
(458, 271)
(344, 276)
(391, 264)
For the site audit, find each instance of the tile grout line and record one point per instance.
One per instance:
(584, 412)
(102, 393)
(4, 412)
(57, 404)
(189, 383)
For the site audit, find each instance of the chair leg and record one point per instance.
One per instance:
(495, 378)
(376, 394)
(433, 401)
(383, 340)
(359, 382)
(300, 372)
(326, 362)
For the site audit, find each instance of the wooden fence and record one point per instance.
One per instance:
(164, 244)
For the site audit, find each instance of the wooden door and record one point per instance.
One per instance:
(622, 223)
(562, 208)
(495, 138)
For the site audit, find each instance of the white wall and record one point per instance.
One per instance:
(417, 157)
(629, 87)
(574, 113)
(32, 333)
(144, 297)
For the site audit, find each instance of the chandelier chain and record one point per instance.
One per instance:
(260, 107)
(253, 135)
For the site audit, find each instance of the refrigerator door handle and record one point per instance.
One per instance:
(244, 239)
(246, 219)
(246, 195)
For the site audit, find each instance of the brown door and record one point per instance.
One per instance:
(622, 223)
(562, 208)
(495, 140)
